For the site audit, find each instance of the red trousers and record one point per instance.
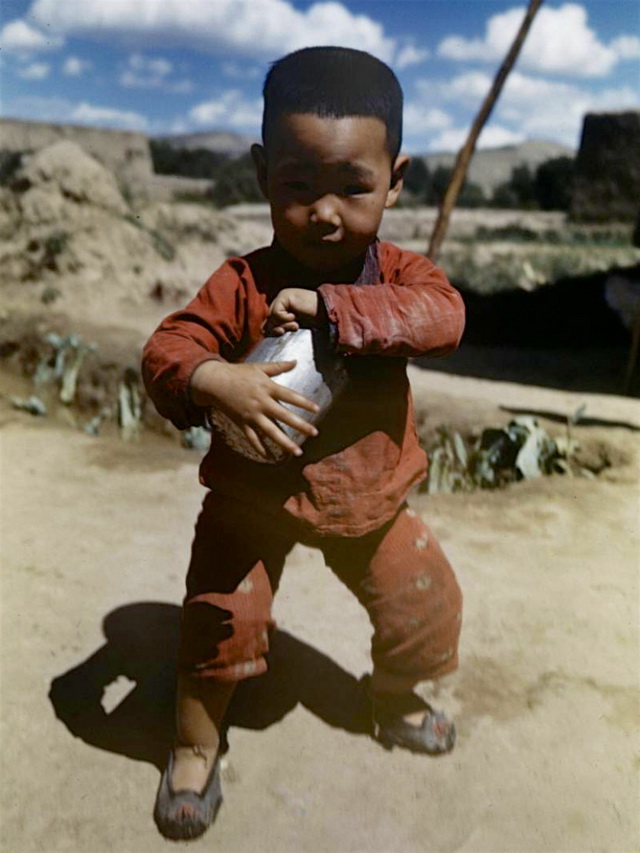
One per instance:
(398, 573)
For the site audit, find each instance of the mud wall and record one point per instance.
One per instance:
(607, 179)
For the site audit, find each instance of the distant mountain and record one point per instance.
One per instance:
(492, 166)
(219, 141)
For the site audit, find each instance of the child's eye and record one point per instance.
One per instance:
(355, 189)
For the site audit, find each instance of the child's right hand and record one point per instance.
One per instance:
(247, 395)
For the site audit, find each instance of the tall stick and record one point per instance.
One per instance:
(466, 152)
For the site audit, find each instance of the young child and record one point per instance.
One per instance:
(329, 166)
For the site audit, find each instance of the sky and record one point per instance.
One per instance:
(182, 66)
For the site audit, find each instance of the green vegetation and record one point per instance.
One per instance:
(197, 163)
(546, 188)
(498, 456)
(553, 181)
(425, 187)
(614, 236)
(233, 178)
(417, 177)
(236, 182)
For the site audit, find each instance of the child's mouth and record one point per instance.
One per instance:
(325, 243)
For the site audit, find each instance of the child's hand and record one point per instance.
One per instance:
(247, 395)
(289, 306)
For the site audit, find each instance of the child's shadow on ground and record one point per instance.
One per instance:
(141, 642)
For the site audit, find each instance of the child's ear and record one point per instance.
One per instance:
(398, 171)
(260, 162)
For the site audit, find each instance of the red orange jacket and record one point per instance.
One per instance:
(356, 473)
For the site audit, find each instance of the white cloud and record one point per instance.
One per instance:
(85, 113)
(158, 67)
(493, 136)
(626, 47)
(559, 42)
(555, 110)
(417, 119)
(34, 71)
(231, 110)
(20, 37)
(240, 71)
(469, 88)
(410, 55)
(180, 87)
(142, 72)
(178, 126)
(208, 113)
(266, 28)
(74, 67)
(560, 116)
(532, 105)
(61, 110)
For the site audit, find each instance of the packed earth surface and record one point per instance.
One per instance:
(95, 538)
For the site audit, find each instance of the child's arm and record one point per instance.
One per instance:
(186, 369)
(208, 329)
(416, 312)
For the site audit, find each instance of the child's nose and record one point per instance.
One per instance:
(325, 211)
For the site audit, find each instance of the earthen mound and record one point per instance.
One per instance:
(65, 170)
(69, 237)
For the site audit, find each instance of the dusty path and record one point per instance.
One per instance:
(545, 700)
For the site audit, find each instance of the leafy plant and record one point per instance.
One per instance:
(501, 455)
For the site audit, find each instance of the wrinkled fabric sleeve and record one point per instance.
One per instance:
(415, 311)
(209, 328)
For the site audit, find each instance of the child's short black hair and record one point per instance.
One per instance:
(334, 82)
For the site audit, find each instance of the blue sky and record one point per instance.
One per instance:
(174, 66)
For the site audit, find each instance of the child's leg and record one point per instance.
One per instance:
(200, 709)
(402, 577)
(236, 562)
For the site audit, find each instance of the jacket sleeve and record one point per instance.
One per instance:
(210, 327)
(415, 311)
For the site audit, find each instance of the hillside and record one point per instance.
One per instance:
(492, 166)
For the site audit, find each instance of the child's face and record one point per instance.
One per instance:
(328, 181)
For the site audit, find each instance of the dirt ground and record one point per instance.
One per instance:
(95, 537)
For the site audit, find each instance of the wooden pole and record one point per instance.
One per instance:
(466, 152)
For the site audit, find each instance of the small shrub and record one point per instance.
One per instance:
(236, 183)
(189, 163)
(10, 162)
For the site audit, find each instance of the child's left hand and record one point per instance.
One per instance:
(289, 307)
